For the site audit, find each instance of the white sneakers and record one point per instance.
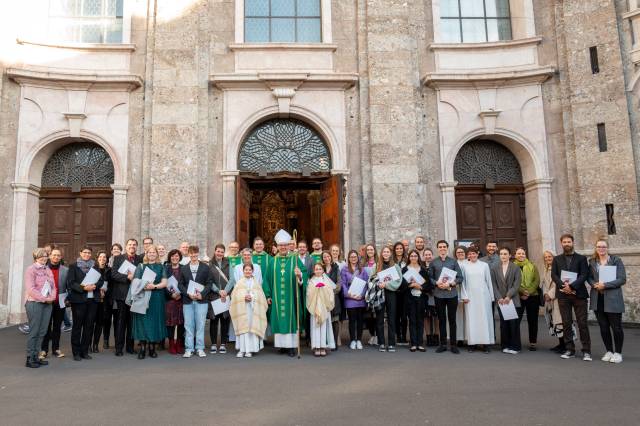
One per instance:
(353, 344)
(239, 354)
(248, 355)
(213, 349)
(223, 349)
(187, 354)
(359, 345)
(587, 357)
(510, 351)
(607, 357)
(201, 353)
(616, 358)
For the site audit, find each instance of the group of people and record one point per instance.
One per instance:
(296, 294)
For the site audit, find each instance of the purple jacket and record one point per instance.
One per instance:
(346, 278)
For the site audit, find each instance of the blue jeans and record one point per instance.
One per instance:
(195, 315)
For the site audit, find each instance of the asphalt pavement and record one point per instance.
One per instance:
(345, 388)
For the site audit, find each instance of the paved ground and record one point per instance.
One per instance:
(347, 387)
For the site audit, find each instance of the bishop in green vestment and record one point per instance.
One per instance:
(285, 284)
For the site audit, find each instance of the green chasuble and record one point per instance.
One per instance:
(280, 285)
(317, 258)
(234, 261)
(262, 259)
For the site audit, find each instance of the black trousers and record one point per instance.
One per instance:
(84, 316)
(108, 316)
(608, 322)
(446, 308)
(579, 307)
(224, 329)
(415, 307)
(402, 316)
(98, 324)
(356, 323)
(530, 306)
(390, 307)
(53, 331)
(122, 327)
(509, 334)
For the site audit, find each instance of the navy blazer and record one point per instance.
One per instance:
(203, 276)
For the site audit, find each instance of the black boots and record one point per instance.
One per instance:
(143, 349)
(152, 350)
(32, 362)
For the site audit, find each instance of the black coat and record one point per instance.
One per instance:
(203, 276)
(578, 265)
(120, 282)
(75, 292)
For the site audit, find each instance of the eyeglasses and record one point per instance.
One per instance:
(602, 247)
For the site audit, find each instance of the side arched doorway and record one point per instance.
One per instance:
(76, 199)
(285, 182)
(490, 199)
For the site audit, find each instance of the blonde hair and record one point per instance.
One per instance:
(38, 253)
(145, 259)
(595, 255)
(544, 253)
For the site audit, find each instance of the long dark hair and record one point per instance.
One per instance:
(358, 265)
(404, 253)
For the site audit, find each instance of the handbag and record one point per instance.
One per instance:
(374, 295)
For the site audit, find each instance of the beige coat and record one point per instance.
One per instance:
(549, 289)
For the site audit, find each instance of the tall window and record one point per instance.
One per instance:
(85, 21)
(281, 21)
(474, 21)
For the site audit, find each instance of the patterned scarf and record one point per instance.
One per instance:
(85, 265)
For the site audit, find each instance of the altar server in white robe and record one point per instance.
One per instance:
(320, 301)
(477, 295)
(248, 313)
(461, 257)
(237, 271)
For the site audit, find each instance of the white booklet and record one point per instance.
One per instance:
(62, 297)
(92, 277)
(148, 276)
(126, 267)
(357, 286)
(172, 285)
(194, 287)
(607, 273)
(568, 275)
(219, 306)
(448, 276)
(508, 311)
(412, 273)
(46, 289)
(391, 272)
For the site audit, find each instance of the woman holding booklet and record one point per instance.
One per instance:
(248, 312)
(105, 276)
(388, 277)
(174, 319)
(506, 278)
(607, 275)
(149, 327)
(354, 284)
(415, 278)
(83, 293)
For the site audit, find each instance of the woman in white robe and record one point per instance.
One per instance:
(461, 256)
(320, 302)
(477, 295)
(248, 313)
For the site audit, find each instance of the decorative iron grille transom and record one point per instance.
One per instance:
(82, 163)
(482, 160)
(284, 146)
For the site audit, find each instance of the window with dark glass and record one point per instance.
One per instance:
(282, 21)
(85, 21)
(474, 21)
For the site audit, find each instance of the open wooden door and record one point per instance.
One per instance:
(242, 211)
(331, 218)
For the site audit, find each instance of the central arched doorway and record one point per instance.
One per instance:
(76, 199)
(285, 182)
(490, 199)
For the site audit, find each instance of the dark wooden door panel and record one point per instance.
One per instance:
(242, 209)
(70, 220)
(331, 211)
(491, 214)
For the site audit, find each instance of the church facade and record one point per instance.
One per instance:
(356, 121)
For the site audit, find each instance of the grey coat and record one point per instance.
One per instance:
(613, 300)
(506, 285)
